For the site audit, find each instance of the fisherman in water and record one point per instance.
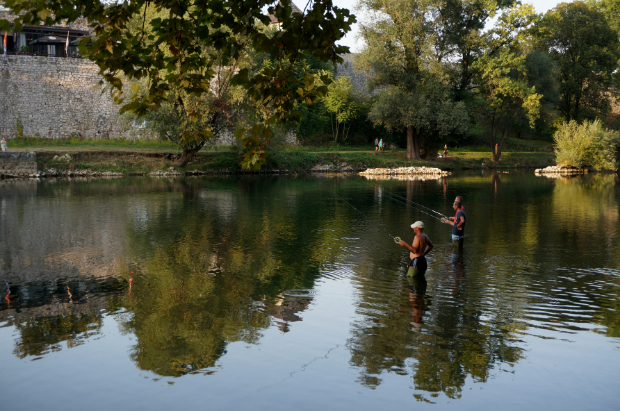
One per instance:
(458, 198)
(458, 224)
(421, 246)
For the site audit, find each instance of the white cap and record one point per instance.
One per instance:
(418, 224)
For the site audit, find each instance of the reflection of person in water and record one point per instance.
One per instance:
(417, 300)
(421, 246)
(8, 293)
(458, 265)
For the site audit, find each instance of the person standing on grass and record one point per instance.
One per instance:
(376, 144)
(381, 145)
(4, 146)
(445, 151)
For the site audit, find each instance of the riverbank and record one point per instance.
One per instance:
(226, 162)
(110, 160)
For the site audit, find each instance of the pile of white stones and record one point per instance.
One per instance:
(405, 171)
(404, 177)
(560, 170)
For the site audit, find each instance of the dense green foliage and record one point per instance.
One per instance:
(437, 71)
(399, 56)
(579, 38)
(178, 53)
(588, 144)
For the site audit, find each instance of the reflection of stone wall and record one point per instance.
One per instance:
(55, 97)
(18, 163)
(45, 234)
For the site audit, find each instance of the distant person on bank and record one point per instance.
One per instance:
(458, 224)
(4, 146)
(421, 246)
(381, 145)
(376, 144)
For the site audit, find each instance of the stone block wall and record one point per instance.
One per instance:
(55, 97)
(18, 163)
(347, 69)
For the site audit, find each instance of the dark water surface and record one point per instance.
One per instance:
(268, 293)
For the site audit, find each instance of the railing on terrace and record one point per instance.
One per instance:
(19, 53)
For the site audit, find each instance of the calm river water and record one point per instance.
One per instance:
(270, 293)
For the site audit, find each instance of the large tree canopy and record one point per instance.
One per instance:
(585, 47)
(177, 51)
(461, 36)
(401, 59)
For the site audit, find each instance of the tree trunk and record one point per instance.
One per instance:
(496, 153)
(497, 150)
(413, 144)
(417, 145)
(409, 143)
(337, 131)
(187, 155)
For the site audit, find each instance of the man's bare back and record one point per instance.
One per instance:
(420, 243)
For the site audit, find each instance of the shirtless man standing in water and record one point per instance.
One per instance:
(421, 246)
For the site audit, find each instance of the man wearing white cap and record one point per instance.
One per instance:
(421, 246)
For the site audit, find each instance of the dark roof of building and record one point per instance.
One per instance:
(296, 9)
(80, 24)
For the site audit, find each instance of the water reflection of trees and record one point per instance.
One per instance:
(223, 259)
(458, 338)
(212, 261)
(185, 308)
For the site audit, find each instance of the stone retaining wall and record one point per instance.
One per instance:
(59, 97)
(55, 97)
(18, 163)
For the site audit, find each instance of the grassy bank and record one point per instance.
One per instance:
(150, 156)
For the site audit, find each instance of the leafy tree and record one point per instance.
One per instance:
(461, 37)
(505, 94)
(428, 113)
(506, 98)
(611, 10)
(402, 65)
(178, 52)
(542, 74)
(342, 106)
(585, 47)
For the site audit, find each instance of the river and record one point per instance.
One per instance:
(287, 292)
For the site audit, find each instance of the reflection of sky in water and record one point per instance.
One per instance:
(283, 297)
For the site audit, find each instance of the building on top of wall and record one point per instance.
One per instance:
(43, 40)
(274, 19)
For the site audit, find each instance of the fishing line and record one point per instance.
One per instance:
(418, 208)
(389, 194)
(392, 196)
(396, 239)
